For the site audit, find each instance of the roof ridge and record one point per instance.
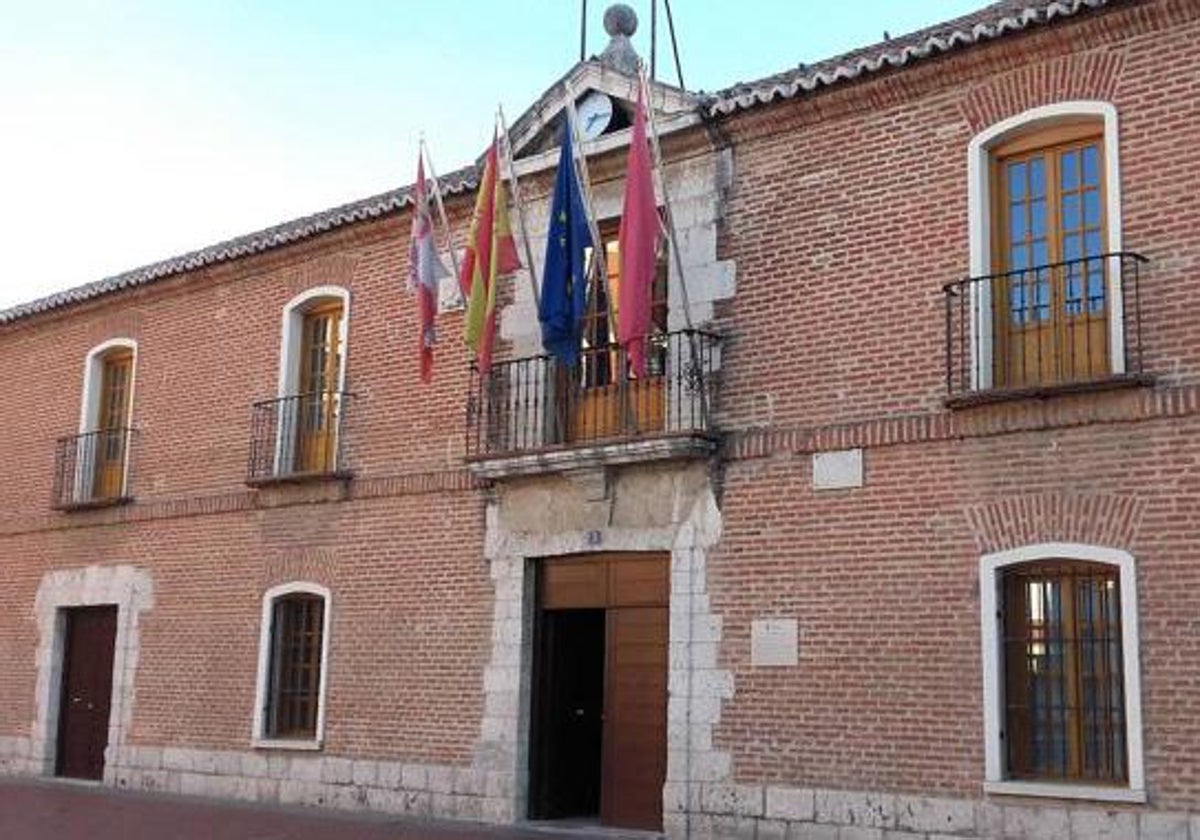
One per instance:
(372, 207)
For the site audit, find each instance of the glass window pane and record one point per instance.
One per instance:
(1073, 296)
(1037, 177)
(1017, 223)
(1016, 300)
(1018, 257)
(1091, 166)
(1070, 212)
(1091, 208)
(1069, 163)
(1038, 220)
(1041, 253)
(1091, 244)
(1072, 246)
(1016, 181)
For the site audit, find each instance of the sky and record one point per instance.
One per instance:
(136, 130)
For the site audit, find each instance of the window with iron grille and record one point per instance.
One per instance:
(294, 673)
(1064, 681)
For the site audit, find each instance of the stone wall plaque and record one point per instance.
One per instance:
(774, 642)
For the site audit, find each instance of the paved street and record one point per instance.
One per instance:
(42, 810)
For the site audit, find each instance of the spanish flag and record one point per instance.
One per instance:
(491, 253)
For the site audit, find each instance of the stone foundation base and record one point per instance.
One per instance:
(719, 811)
(750, 812)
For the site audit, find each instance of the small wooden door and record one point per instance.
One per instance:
(631, 591)
(109, 444)
(635, 718)
(91, 635)
(316, 409)
(1051, 308)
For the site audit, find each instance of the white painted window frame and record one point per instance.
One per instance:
(89, 409)
(259, 739)
(290, 345)
(979, 214)
(990, 567)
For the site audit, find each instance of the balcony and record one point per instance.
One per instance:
(535, 415)
(299, 438)
(1061, 327)
(91, 470)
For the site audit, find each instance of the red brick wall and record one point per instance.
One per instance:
(849, 212)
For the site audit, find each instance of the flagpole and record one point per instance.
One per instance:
(662, 181)
(516, 190)
(671, 232)
(437, 199)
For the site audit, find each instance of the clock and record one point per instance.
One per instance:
(595, 113)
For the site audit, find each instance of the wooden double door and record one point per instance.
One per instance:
(599, 714)
(86, 700)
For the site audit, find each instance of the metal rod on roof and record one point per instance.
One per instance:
(437, 199)
(674, 43)
(666, 195)
(516, 191)
(583, 31)
(653, 38)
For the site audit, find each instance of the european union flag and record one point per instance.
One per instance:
(564, 281)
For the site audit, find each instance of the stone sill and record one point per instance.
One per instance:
(991, 396)
(546, 461)
(299, 744)
(299, 478)
(1056, 790)
(94, 504)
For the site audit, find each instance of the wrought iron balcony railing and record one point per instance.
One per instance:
(536, 404)
(299, 437)
(92, 469)
(1057, 325)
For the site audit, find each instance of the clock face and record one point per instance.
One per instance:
(595, 113)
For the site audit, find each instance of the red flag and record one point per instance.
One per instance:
(424, 270)
(491, 252)
(640, 238)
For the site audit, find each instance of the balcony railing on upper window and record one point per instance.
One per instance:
(299, 437)
(1057, 325)
(536, 404)
(92, 469)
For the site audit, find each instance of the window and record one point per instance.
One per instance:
(100, 453)
(1046, 259)
(611, 397)
(1052, 309)
(316, 405)
(294, 647)
(1064, 679)
(308, 414)
(1062, 696)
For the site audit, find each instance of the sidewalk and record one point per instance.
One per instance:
(50, 810)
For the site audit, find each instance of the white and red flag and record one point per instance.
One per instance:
(424, 271)
(641, 236)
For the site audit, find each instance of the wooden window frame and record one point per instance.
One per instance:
(1012, 134)
(291, 349)
(90, 411)
(263, 735)
(1059, 330)
(997, 779)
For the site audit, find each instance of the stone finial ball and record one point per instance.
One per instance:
(620, 19)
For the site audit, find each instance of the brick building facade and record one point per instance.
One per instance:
(873, 552)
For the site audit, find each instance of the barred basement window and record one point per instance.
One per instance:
(1064, 673)
(292, 667)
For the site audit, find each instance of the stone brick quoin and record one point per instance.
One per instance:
(844, 222)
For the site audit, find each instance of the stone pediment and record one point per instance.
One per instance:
(536, 134)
